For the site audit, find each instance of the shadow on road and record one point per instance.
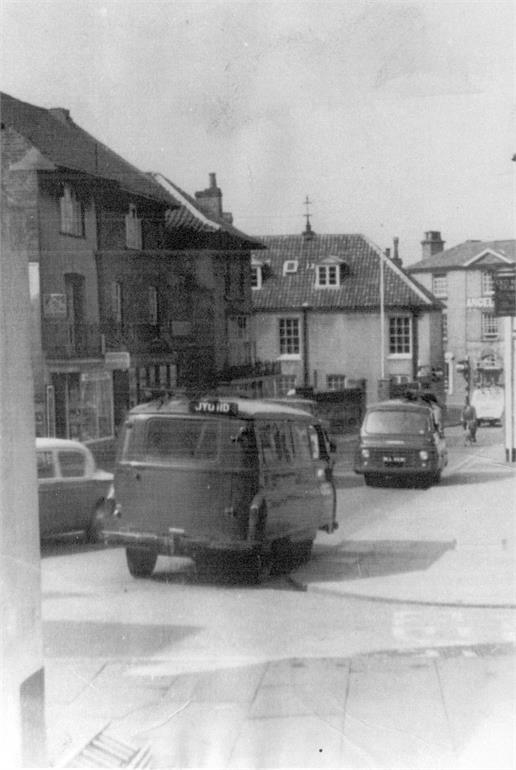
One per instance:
(90, 639)
(376, 558)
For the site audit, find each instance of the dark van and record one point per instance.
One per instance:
(240, 476)
(400, 440)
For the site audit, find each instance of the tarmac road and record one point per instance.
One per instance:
(392, 648)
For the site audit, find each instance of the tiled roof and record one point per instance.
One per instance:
(190, 221)
(462, 255)
(67, 145)
(359, 290)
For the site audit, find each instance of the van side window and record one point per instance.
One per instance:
(301, 442)
(275, 443)
(314, 443)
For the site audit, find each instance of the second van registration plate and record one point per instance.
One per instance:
(393, 460)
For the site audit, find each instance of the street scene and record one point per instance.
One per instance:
(392, 647)
(258, 384)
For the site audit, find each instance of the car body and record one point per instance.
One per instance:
(222, 475)
(489, 403)
(400, 440)
(71, 489)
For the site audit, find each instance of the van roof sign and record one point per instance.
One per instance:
(210, 406)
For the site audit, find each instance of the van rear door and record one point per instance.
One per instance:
(173, 474)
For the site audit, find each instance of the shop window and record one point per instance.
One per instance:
(440, 285)
(96, 406)
(72, 213)
(133, 229)
(400, 336)
(489, 326)
(289, 336)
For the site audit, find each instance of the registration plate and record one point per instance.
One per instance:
(394, 460)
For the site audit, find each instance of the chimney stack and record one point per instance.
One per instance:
(432, 244)
(210, 200)
(396, 257)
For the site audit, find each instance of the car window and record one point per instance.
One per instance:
(72, 463)
(45, 465)
(396, 421)
(314, 443)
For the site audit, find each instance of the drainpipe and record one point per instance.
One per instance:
(306, 361)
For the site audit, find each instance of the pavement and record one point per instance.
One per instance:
(438, 707)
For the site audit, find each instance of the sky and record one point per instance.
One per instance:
(393, 117)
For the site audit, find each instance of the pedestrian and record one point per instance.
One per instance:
(469, 422)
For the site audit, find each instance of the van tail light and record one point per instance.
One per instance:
(321, 474)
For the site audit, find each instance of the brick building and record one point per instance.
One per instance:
(462, 278)
(127, 278)
(317, 312)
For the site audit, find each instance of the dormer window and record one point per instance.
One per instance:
(330, 274)
(290, 266)
(133, 229)
(256, 276)
(72, 213)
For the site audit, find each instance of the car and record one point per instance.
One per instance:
(400, 440)
(71, 489)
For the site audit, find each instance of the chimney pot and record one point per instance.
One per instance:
(213, 180)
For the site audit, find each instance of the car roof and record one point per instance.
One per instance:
(248, 408)
(393, 404)
(48, 442)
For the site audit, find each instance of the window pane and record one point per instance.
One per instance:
(72, 463)
(181, 438)
(289, 335)
(386, 422)
(400, 335)
(45, 465)
(439, 285)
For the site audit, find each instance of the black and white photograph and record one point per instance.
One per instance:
(258, 384)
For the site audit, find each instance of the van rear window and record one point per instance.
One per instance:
(179, 438)
(385, 422)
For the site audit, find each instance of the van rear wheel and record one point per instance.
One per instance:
(140, 561)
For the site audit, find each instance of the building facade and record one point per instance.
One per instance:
(462, 278)
(126, 297)
(318, 312)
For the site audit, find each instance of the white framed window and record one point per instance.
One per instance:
(335, 381)
(133, 229)
(489, 326)
(256, 277)
(487, 283)
(400, 335)
(153, 306)
(286, 383)
(289, 336)
(440, 285)
(117, 302)
(290, 266)
(72, 213)
(327, 275)
(444, 327)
